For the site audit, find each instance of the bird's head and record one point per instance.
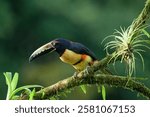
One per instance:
(59, 45)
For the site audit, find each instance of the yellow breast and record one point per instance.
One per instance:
(83, 64)
(70, 57)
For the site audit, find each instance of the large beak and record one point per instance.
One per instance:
(42, 50)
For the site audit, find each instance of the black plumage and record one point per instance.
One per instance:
(73, 46)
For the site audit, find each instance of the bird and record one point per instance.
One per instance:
(73, 53)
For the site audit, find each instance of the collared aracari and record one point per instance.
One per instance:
(76, 54)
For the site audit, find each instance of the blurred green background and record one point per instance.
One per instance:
(27, 24)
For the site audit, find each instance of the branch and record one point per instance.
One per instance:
(92, 78)
(144, 16)
(88, 77)
(118, 81)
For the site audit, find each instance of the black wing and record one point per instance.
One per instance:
(81, 49)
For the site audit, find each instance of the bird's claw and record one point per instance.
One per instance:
(88, 71)
(85, 73)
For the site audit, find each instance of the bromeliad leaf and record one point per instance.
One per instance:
(146, 33)
(128, 44)
(147, 41)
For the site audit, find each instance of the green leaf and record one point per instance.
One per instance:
(103, 92)
(14, 81)
(43, 94)
(27, 91)
(24, 87)
(32, 94)
(83, 87)
(8, 77)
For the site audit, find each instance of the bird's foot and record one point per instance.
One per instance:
(88, 71)
(78, 74)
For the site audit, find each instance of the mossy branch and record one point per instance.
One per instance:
(92, 78)
(118, 81)
(143, 17)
